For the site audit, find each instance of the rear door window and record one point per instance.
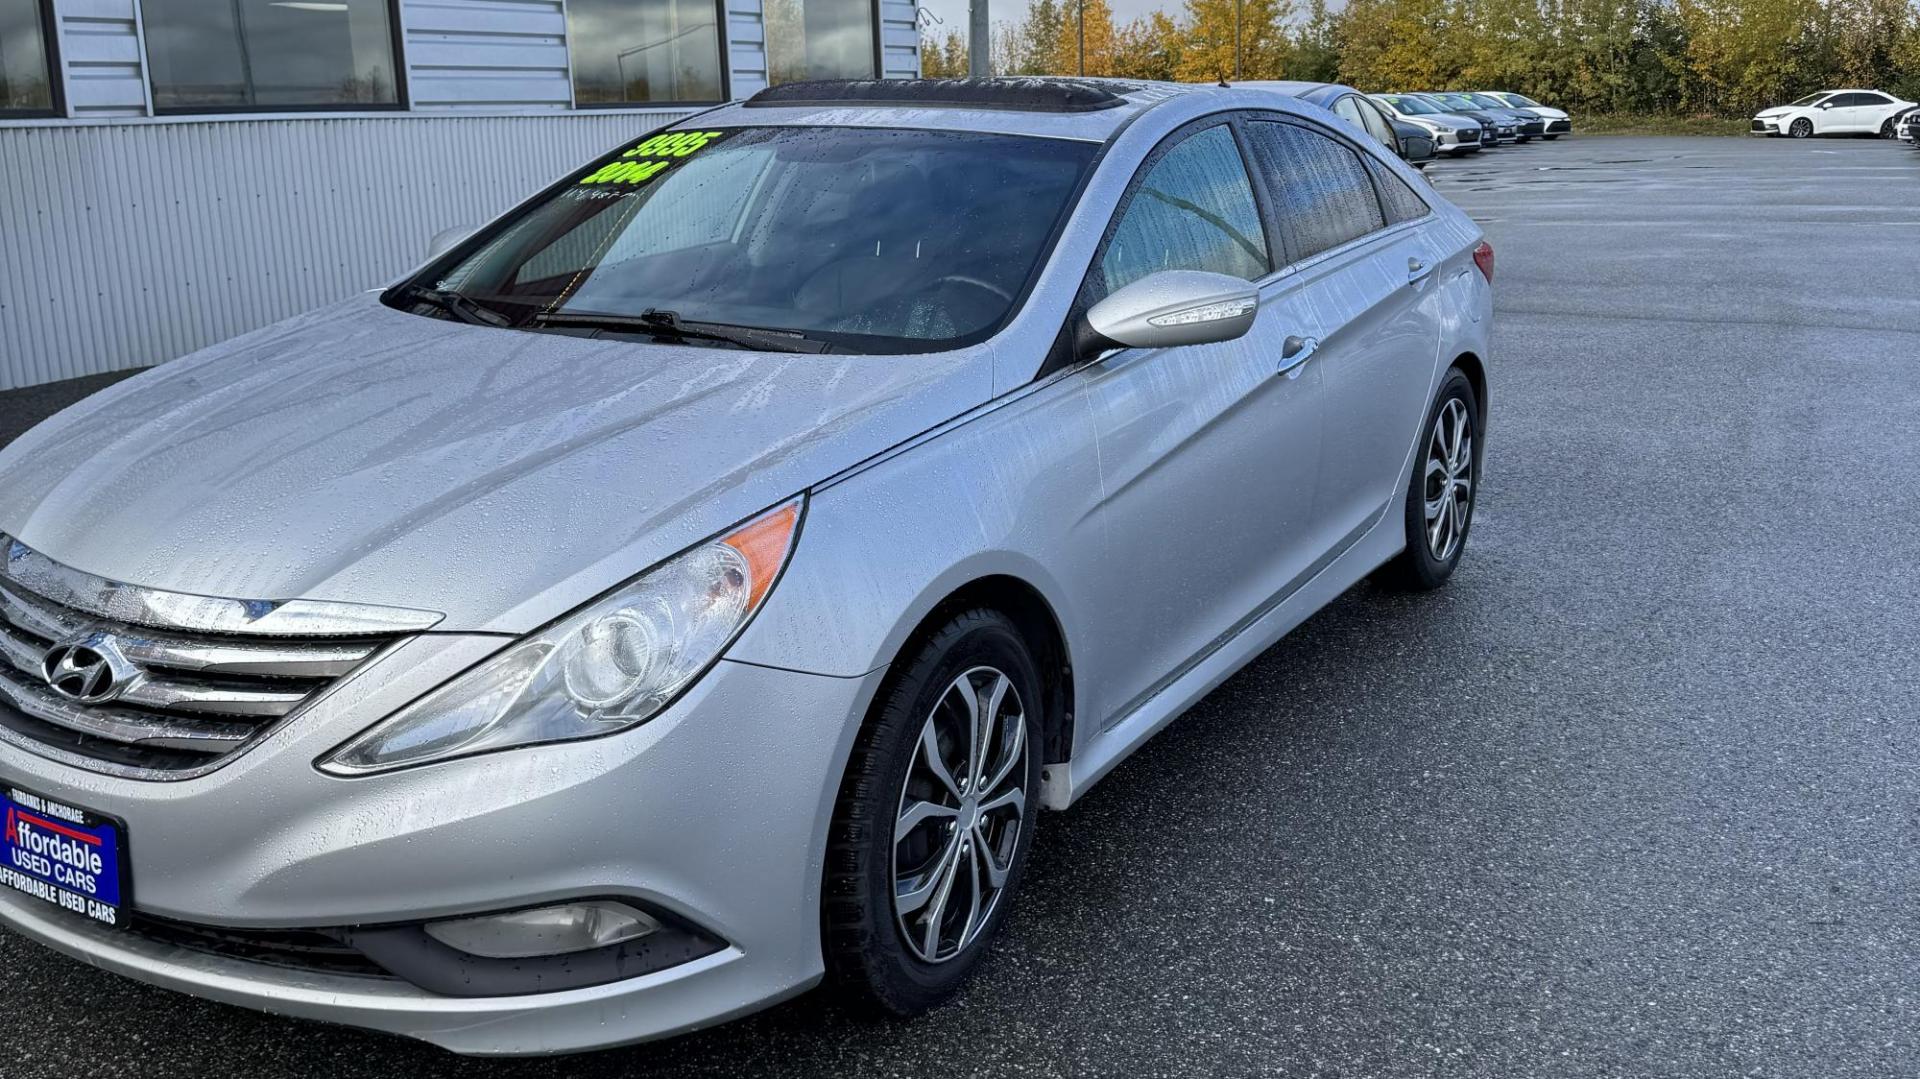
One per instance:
(1193, 209)
(1323, 194)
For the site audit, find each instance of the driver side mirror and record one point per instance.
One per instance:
(446, 240)
(1172, 308)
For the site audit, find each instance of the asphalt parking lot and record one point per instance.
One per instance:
(1637, 795)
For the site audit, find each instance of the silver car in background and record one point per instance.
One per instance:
(1453, 134)
(691, 587)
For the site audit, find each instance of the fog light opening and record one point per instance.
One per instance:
(546, 931)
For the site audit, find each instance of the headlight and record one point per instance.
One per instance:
(609, 666)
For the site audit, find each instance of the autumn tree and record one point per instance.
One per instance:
(1150, 47)
(1097, 56)
(942, 55)
(1210, 50)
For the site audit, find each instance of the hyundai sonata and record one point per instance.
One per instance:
(691, 586)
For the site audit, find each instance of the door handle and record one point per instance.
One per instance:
(1295, 351)
(1417, 268)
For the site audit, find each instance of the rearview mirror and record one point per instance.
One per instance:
(446, 240)
(1174, 307)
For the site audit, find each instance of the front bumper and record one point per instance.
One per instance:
(715, 812)
(1764, 127)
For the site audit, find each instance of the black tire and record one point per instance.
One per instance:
(1549, 138)
(1419, 568)
(1801, 128)
(1886, 129)
(868, 956)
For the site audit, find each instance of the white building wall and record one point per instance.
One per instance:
(128, 239)
(128, 244)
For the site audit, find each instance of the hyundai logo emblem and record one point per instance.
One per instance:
(86, 669)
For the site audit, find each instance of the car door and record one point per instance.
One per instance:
(1850, 112)
(1209, 454)
(1874, 110)
(1361, 291)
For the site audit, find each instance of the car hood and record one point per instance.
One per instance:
(1773, 113)
(366, 455)
(1449, 119)
(1546, 113)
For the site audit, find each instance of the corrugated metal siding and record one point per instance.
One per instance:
(746, 47)
(129, 244)
(100, 44)
(899, 39)
(486, 54)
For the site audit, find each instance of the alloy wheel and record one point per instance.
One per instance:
(1449, 486)
(1801, 128)
(961, 809)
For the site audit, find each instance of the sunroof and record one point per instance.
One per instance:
(1012, 94)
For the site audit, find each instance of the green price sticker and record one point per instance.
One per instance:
(652, 157)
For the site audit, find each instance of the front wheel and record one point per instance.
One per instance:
(1886, 129)
(935, 817)
(1801, 128)
(1549, 138)
(1440, 496)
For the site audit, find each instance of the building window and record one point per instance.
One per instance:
(221, 55)
(640, 52)
(27, 86)
(820, 39)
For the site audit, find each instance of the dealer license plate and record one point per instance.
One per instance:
(72, 858)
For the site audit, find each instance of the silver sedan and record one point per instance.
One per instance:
(692, 585)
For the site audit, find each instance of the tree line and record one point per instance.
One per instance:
(1668, 57)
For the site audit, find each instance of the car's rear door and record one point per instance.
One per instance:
(1360, 289)
(1209, 454)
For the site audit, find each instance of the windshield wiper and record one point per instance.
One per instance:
(668, 325)
(460, 306)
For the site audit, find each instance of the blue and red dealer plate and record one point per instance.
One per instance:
(72, 858)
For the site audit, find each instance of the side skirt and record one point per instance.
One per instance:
(1062, 784)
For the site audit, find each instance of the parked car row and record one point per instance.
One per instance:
(1421, 126)
(1907, 127)
(1837, 112)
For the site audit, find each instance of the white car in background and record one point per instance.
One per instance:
(1558, 122)
(1832, 112)
(1453, 135)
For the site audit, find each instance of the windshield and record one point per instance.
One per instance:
(1411, 106)
(871, 240)
(1808, 100)
(1457, 101)
(1484, 101)
(1521, 100)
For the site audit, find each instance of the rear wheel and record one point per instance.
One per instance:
(1440, 496)
(1886, 129)
(1801, 128)
(935, 817)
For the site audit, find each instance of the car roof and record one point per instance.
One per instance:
(1092, 109)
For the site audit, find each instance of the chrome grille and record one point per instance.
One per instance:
(164, 685)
